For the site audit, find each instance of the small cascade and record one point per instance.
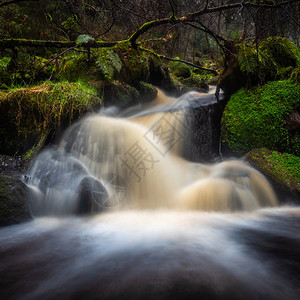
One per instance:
(137, 162)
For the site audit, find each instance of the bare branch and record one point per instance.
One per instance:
(214, 35)
(108, 29)
(130, 11)
(145, 27)
(179, 60)
(172, 8)
(9, 2)
(54, 58)
(290, 16)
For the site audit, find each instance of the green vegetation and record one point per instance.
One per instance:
(180, 69)
(249, 65)
(190, 77)
(272, 59)
(28, 114)
(104, 64)
(255, 119)
(283, 168)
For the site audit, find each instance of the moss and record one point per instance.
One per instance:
(283, 168)
(120, 94)
(30, 113)
(104, 64)
(5, 78)
(74, 68)
(249, 65)
(147, 91)
(196, 82)
(27, 69)
(180, 69)
(255, 119)
(280, 51)
(295, 75)
(4, 61)
(135, 64)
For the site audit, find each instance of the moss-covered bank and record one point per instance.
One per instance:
(263, 118)
(28, 115)
(282, 168)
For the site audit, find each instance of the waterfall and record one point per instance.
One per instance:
(156, 221)
(135, 160)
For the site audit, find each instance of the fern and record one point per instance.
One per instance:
(247, 59)
(83, 39)
(109, 64)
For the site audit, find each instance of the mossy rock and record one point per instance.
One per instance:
(74, 68)
(120, 94)
(13, 201)
(195, 82)
(135, 64)
(259, 118)
(281, 52)
(30, 114)
(180, 69)
(282, 169)
(147, 91)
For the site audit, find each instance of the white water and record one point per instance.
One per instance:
(143, 151)
(173, 230)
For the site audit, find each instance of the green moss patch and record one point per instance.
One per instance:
(104, 64)
(180, 69)
(28, 114)
(256, 119)
(283, 168)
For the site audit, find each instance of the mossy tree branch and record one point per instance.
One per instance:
(11, 43)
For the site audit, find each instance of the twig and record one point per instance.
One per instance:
(172, 8)
(110, 27)
(54, 58)
(291, 17)
(179, 60)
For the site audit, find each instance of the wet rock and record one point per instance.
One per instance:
(202, 128)
(92, 196)
(13, 201)
(60, 185)
(10, 165)
(147, 91)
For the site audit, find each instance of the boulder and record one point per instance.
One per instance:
(13, 201)
(264, 117)
(282, 169)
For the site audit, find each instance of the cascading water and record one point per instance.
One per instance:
(135, 162)
(163, 227)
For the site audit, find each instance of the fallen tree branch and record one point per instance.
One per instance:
(11, 43)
